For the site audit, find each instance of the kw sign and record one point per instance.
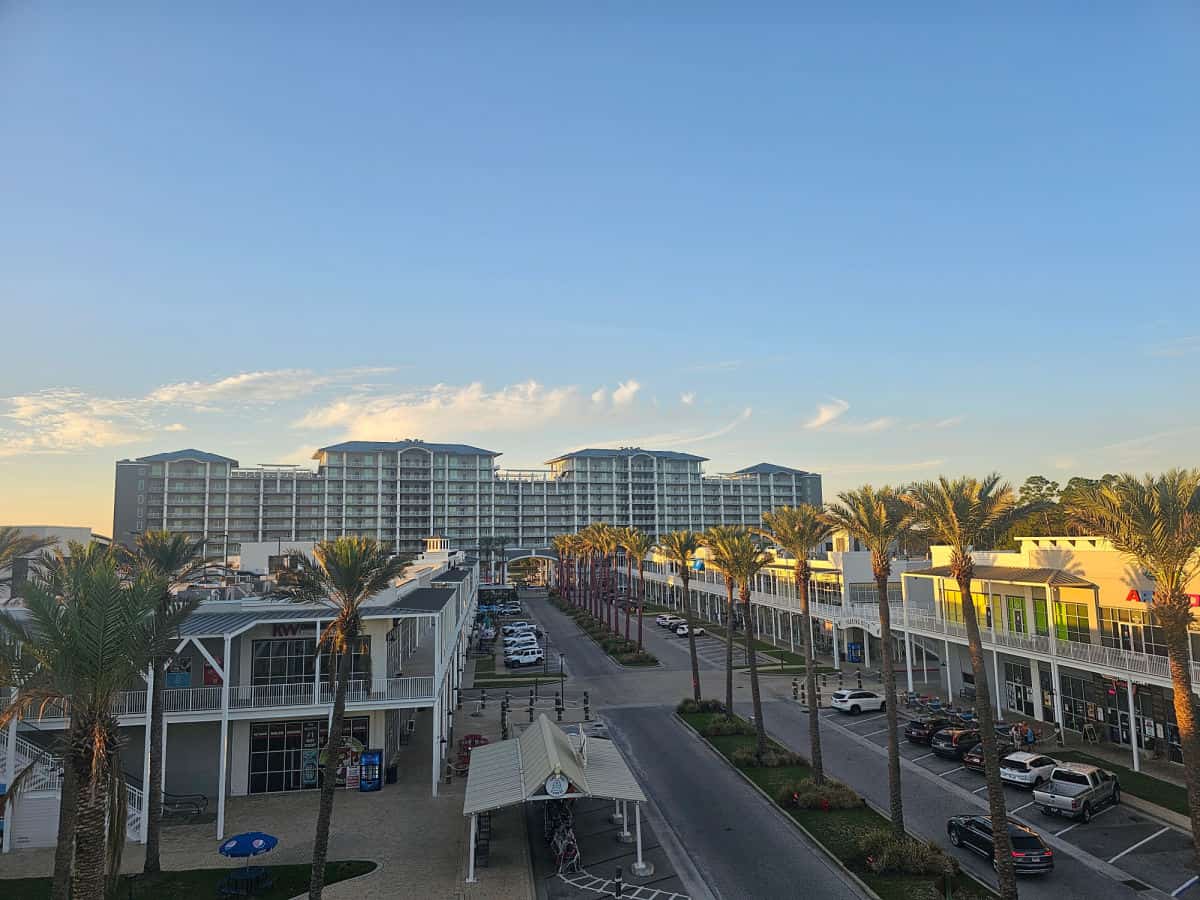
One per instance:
(291, 629)
(1135, 596)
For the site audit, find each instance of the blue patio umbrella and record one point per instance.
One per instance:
(251, 843)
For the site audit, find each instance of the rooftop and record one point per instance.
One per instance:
(190, 454)
(765, 468)
(397, 446)
(1013, 574)
(625, 452)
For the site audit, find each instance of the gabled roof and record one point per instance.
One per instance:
(396, 446)
(451, 575)
(765, 468)
(1013, 574)
(196, 455)
(624, 452)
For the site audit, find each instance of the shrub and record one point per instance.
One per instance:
(772, 758)
(688, 705)
(884, 852)
(807, 794)
(722, 727)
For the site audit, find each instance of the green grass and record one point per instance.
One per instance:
(196, 884)
(1136, 784)
(837, 829)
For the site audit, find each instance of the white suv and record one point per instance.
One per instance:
(531, 657)
(670, 622)
(855, 702)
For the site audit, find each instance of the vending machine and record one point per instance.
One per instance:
(370, 770)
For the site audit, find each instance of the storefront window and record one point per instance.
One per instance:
(1018, 688)
(1071, 622)
(1074, 703)
(953, 611)
(1131, 629)
(293, 660)
(1040, 617)
(281, 751)
(1018, 623)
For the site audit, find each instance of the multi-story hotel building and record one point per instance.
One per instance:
(403, 491)
(1067, 625)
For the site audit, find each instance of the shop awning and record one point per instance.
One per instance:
(514, 771)
(1012, 574)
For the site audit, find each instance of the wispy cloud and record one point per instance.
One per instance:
(725, 365)
(688, 398)
(176, 426)
(853, 468)
(669, 439)
(1183, 346)
(257, 387)
(827, 413)
(625, 393)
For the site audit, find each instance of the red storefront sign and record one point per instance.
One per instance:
(1135, 596)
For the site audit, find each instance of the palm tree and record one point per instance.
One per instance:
(81, 650)
(15, 544)
(606, 546)
(562, 546)
(959, 513)
(796, 530)
(637, 545)
(745, 559)
(342, 575)
(720, 541)
(878, 518)
(173, 557)
(1155, 521)
(680, 548)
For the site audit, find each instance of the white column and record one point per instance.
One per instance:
(148, 788)
(1133, 735)
(641, 868)
(10, 757)
(996, 676)
(224, 766)
(866, 635)
(949, 680)
(837, 658)
(791, 631)
(907, 634)
(1055, 690)
(1036, 678)
(471, 849)
(436, 729)
(162, 784)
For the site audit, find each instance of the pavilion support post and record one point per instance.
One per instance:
(471, 879)
(222, 772)
(625, 836)
(148, 793)
(1133, 732)
(641, 868)
(616, 818)
(10, 756)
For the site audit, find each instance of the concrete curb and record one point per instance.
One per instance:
(1092, 862)
(620, 666)
(1168, 817)
(858, 882)
(379, 867)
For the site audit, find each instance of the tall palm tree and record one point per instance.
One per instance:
(175, 558)
(637, 545)
(81, 650)
(959, 513)
(562, 546)
(878, 518)
(342, 575)
(14, 544)
(745, 560)
(796, 530)
(1155, 521)
(720, 541)
(606, 547)
(680, 548)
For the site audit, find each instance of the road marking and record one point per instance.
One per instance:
(1065, 830)
(1183, 887)
(926, 756)
(1026, 806)
(873, 733)
(984, 788)
(1139, 843)
(951, 772)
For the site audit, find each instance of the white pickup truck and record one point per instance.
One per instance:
(1078, 791)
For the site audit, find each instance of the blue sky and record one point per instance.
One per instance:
(880, 248)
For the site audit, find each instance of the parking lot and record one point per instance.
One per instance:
(709, 649)
(1152, 853)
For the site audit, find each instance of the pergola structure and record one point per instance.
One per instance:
(547, 763)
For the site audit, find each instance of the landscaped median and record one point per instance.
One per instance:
(833, 816)
(623, 651)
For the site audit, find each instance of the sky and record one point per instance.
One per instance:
(877, 245)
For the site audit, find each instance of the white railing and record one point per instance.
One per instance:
(133, 820)
(1112, 658)
(268, 696)
(182, 700)
(47, 769)
(377, 690)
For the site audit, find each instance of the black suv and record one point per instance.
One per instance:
(954, 742)
(973, 759)
(922, 730)
(1031, 856)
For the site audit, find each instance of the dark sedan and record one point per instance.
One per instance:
(954, 742)
(973, 759)
(922, 730)
(1030, 854)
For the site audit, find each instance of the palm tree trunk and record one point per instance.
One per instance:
(1006, 875)
(895, 795)
(691, 623)
(154, 776)
(760, 728)
(641, 601)
(316, 882)
(64, 849)
(729, 651)
(1185, 719)
(810, 674)
(628, 591)
(88, 879)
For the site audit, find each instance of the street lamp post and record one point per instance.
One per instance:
(561, 687)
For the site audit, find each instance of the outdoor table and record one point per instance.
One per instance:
(247, 880)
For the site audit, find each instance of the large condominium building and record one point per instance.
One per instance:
(403, 491)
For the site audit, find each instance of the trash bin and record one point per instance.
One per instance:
(392, 774)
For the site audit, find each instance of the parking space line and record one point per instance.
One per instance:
(926, 756)
(1187, 884)
(950, 772)
(873, 733)
(1140, 843)
(982, 789)
(1077, 824)
(1019, 808)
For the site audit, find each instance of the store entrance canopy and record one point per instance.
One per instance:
(545, 763)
